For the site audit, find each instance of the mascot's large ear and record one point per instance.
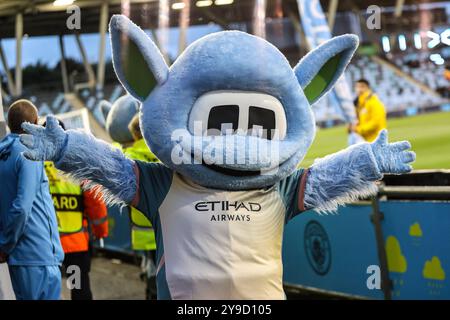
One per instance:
(138, 63)
(318, 71)
(105, 108)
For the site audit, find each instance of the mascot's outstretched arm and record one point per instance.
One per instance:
(345, 176)
(83, 157)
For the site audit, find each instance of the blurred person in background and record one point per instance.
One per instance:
(445, 91)
(77, 210)
(447, 72)
(370, 111)
(29, 240)
(142, 233)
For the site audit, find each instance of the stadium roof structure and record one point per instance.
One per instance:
(43, 17)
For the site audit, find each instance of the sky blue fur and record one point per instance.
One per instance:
(342, 177)
(118, 116)
(86, 158)
(121, 26)
(311, 63)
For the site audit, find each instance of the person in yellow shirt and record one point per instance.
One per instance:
(370, 111)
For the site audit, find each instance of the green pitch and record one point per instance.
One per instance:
(429, 135)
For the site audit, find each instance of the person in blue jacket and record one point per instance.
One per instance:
(29, 238)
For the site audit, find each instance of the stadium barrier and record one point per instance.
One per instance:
(396, 246)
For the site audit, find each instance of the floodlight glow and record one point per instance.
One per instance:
(445, 37)
(178, 5)
(402, 42)
(435, 39)
(58, 3)
(437, 59)
(417, 41)
(386, 44)
(204, 3)
(223, 2)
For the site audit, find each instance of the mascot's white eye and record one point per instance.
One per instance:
(238, 112)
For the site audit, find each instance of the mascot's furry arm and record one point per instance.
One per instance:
(351, 173)
(83, 157)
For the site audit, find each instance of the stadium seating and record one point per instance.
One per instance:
(425, 71)
(397, 93)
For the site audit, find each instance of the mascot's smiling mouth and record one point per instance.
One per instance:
(231, 172)
(232, 159)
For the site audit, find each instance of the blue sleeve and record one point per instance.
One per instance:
(154, 180)
(29, 174)
(291, 192)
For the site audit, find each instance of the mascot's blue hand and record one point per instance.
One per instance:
(392, 157)
(43, 143)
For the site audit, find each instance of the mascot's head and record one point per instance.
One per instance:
(230, 113)
(117, 117)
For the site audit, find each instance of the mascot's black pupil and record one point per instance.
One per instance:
(219, 115)
(263, 118)
(226, 117)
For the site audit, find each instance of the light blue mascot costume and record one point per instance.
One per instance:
(220, 201)
(117, 117)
